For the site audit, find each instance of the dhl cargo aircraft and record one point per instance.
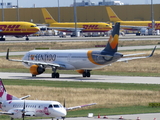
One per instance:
(131, 25)
(17, 29)
(18, 108)
(70, 26)
(81, 60)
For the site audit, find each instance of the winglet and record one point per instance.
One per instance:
(152, 52)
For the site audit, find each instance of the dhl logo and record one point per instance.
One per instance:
(112, 16)
(90, 26)
(156, 25)
(10, 27)
(48, 18)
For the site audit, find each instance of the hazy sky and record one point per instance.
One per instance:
(54, 3)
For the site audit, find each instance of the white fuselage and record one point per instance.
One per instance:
(34, 108)
(68, 59)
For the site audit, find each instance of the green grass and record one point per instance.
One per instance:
(102, 110)
(81, 84)
(114, 111)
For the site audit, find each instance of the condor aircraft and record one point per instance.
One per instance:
(18, 108)
(81, 60)
(70, 26)
(131, 25)
(17, 29)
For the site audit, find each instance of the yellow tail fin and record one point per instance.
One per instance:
(48, 18)
(112, 16)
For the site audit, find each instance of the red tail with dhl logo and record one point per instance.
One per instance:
(112, 44)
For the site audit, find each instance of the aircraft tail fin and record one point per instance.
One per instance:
(112, 15)
(48, 18)
(112, 44)
(4, 96)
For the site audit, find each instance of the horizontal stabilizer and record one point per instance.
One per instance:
(24, 97)
(71, 108)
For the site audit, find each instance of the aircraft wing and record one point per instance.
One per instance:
(34, 62)
(67, 29)
(7, 113)
(75, 107)
(133, 58)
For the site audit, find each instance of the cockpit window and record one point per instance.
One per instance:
(56, 106)
(50, 106)
(33, 26)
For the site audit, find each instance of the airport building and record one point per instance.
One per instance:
(84, 14)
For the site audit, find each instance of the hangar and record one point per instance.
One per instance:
(84, 14)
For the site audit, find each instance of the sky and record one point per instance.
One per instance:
(62, 3)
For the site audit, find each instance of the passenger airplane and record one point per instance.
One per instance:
(18, 108)
(17, 29)
(70, 26)
(81, 60)
(131, 25)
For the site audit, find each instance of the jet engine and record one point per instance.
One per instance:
(80, 71)
(36, 69)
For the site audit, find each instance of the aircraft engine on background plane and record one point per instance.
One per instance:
(36, 69)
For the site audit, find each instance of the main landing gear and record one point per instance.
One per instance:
(27, 38)
(2, 38)
(86, 73)
(55, 74)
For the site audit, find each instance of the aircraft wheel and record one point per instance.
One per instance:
(2, 39)
(88, 74)
(27, 38)
(33, 75)
(53, 75)
(84, 74)
(57, 75)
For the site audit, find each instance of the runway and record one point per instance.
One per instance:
(151, 116)
(78, 77)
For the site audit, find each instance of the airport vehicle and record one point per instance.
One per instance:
(19, 108)
(17, 29)
(131, 25)
(70, 26)
(81, 60)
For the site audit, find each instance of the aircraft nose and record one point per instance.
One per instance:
(37, 29)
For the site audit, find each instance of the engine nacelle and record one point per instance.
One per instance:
(80, 71)
(19, 36)
(17, 113)
(36, 70)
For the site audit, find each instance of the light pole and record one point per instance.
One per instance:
(58, 12)
(2, 12)
(17, 11)
(152, 17)
(75, 18)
